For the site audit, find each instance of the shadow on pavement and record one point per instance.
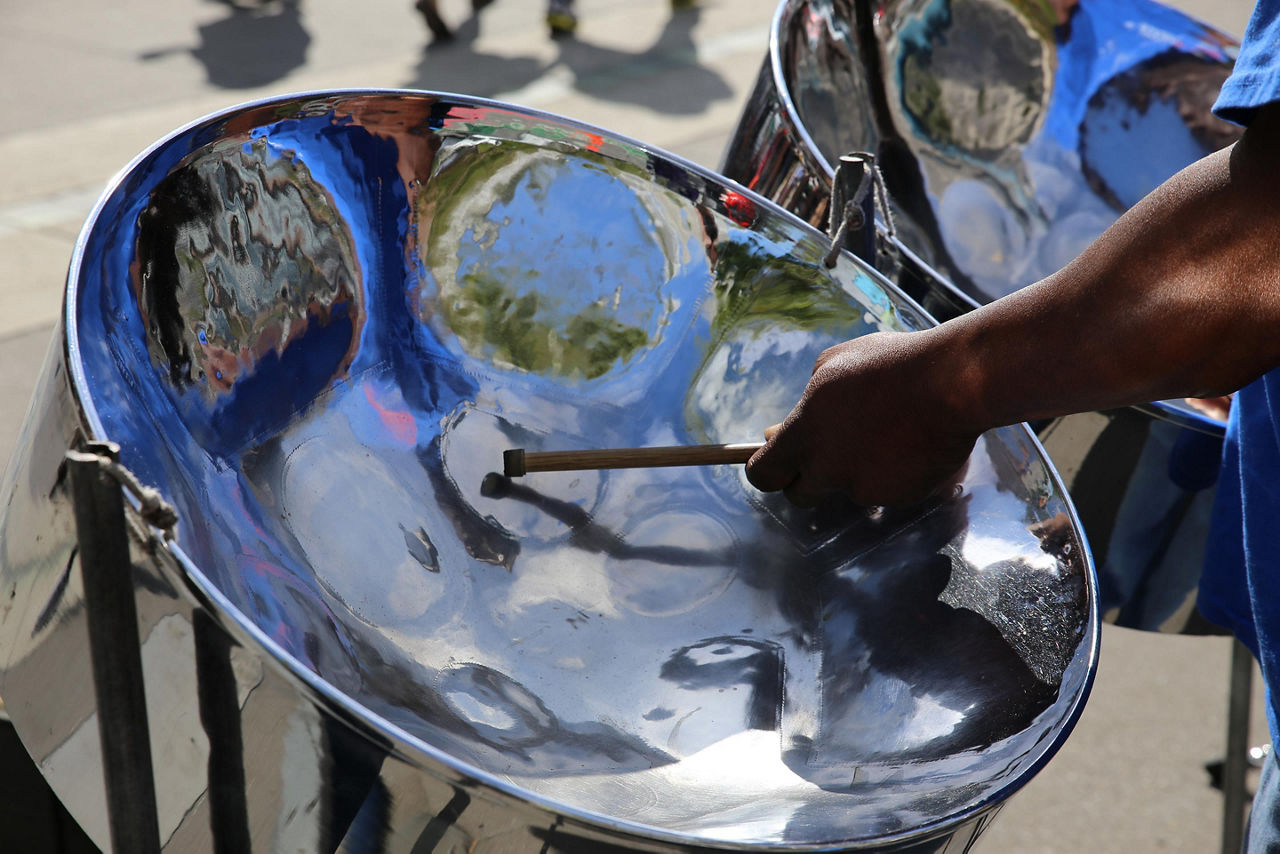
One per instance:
(456, 66)
(604, 72)
(252, 46)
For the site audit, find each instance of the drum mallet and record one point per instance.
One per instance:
(518, 462)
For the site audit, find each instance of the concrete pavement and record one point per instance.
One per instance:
(89, 85)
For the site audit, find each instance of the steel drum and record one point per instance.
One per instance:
(1010, 134)
(314, 323)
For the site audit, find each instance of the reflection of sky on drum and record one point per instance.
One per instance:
(733, 770)
(1133, 31)
(749, 382)
(1002, 248)
(981, 546)
(321, 484)
(579, 300)
(889, 715)
(1122, 138)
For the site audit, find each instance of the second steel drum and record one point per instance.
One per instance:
(1010, 135)
(314, 324)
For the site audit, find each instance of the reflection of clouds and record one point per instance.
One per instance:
(727, 777)
(986, 550)
(580, 301)
(573, 579)
(987, 539)
(887, 715)
(323, 479)
(985, 237)
(749, 382)
(999, 246)
(319, 472)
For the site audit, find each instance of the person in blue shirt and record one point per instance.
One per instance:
(1179, 298)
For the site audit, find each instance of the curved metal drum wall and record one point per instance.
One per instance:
(315, 323)
(1010, 135)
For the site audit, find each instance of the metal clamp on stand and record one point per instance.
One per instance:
(856, 190)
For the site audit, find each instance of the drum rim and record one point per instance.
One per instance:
(808, 148)
(416, 751)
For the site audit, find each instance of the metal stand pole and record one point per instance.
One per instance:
(1235, 764)
(116, 654)
(220, 716)
(856, 181)
(851, 213)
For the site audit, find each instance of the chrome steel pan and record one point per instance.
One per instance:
(1010, 135)
(315, 323)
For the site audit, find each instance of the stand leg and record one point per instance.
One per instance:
(1236, 764)
(116, 655)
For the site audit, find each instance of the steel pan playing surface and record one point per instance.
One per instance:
(315, 323)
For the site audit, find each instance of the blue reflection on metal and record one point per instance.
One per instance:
(317, 323)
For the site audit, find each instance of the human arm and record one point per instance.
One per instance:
(1180, 297)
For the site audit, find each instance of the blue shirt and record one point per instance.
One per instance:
(1255, 80)
(1240, 587)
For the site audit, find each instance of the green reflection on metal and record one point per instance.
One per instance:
(500, 320)
(589, 343)
(752, 284)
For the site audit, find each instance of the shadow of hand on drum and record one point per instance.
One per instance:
(908, 672)
(591, 536)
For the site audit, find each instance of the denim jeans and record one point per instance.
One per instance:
(1262, 836)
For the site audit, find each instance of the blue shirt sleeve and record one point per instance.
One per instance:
(1255, 82)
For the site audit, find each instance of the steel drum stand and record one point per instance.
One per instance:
(1236, 760)
(116, 653)
(102, 533)
(857, 190)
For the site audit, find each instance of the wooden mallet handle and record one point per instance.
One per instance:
(517, 462)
